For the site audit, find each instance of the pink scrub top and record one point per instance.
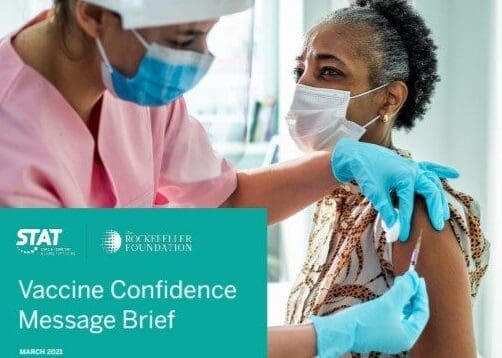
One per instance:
(129, 156)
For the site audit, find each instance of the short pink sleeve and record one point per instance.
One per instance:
(192, 174)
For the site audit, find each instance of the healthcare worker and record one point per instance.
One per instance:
(92, 115)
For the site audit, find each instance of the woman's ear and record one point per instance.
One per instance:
(397, 93)
(92, 19)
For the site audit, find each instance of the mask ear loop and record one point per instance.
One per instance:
(370, 91)
(102, 52)
(141, 39)
(371, 122)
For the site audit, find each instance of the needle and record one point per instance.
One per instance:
(416, 252)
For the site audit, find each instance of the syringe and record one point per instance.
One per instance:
(416, 252)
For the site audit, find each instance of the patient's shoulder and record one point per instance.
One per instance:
(449, 271)
(436, 245)
(461, 246)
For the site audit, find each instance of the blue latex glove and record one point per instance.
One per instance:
(378, 171)
(389, 324)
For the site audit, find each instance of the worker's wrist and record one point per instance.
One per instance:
(334, 335)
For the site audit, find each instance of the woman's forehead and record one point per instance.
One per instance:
(342, 42)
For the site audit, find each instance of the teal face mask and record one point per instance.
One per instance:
(163, 75)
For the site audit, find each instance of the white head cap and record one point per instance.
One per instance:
(150, 13)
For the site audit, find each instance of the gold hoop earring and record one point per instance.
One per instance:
(386, 118)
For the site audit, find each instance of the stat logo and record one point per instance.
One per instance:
(111, 241)
(44, 242)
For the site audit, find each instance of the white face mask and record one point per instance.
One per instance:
(317, 118)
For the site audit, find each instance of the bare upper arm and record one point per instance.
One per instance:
(449, 332)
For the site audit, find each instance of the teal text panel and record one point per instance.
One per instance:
(133, 283)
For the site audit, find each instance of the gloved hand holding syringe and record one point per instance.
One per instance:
(389, 324)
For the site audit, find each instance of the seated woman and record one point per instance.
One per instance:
(379, 58)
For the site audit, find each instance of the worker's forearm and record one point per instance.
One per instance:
(285, 188)
(292, 341)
